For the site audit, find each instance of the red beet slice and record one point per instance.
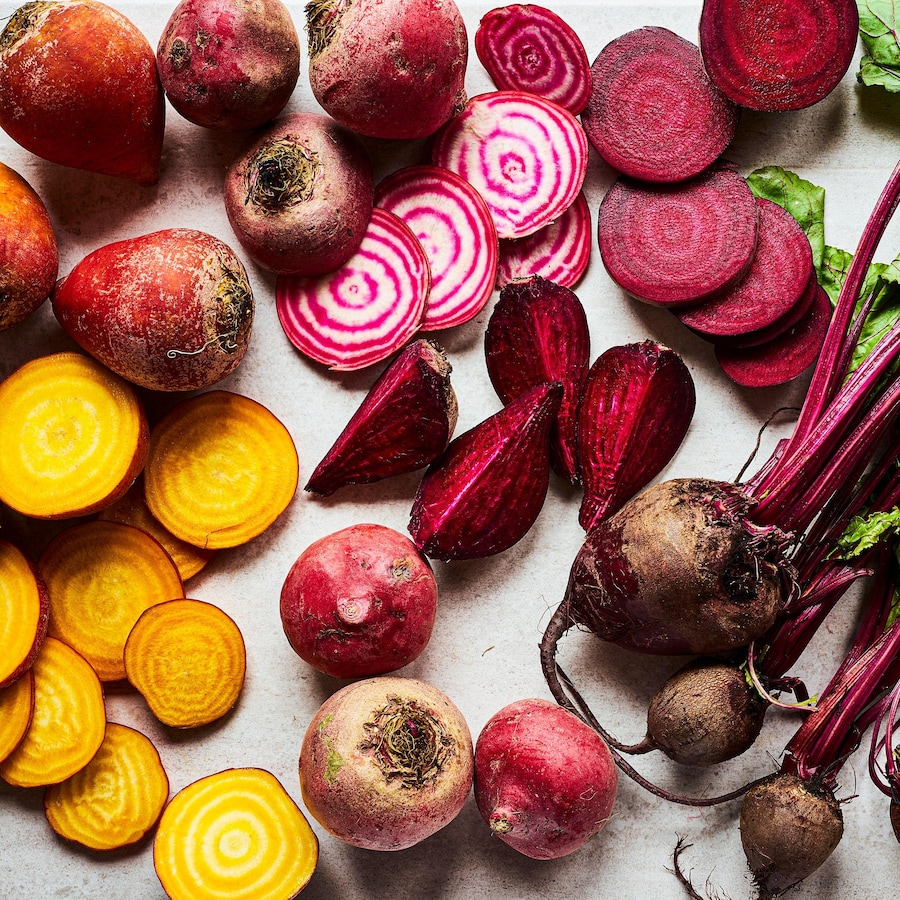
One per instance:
(636, 408)
(653, 113)
(525, 155)
(778, 54)
(528, 48)
(775, 283)
(486, 491)
(455, 228)
(559, 252)
(368, 308)
(783, 358)
(678, 244)
(538, 332)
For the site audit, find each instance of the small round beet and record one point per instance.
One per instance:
(359, 602)
(300, 198)
(229, 65)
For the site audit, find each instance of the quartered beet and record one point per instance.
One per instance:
(405, 422)
(783, 358)
(486, 491)
(559, 252)
(525, 47)
(673, 245)
(538, 332)
(636, 407)
(653, 112)
(778, 54)
(775, 284)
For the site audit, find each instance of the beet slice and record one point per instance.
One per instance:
(653, 112)
(776, 55)
(775, 283)
(676, 244)
(783, 358)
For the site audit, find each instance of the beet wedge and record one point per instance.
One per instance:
(405, 422)
(486, 491)
(538, 332)
(636, 407)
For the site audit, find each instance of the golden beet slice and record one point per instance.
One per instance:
(132, 509)
(236, 834)
(68, 724)
(16, 709)
(116, 798)
(187, 659)
(221, 469)
(24, 611)
(101, 576)
(74, 437)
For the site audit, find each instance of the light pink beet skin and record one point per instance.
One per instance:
(359, 602)
(545, 782)
(388, 68)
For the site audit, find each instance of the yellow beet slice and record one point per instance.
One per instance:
(68, 723)
(74, 437)
(101, 576)
(24, 612)
(16, 709)
(116, 798)
(220, 471)
(132, 509)
(187, 659)
(234, 835)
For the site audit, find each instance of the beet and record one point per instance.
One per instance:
(653, 112)
(674, 245)
(778, 54)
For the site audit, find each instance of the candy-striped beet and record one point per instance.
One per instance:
(455, 228)
(368, 308)
(528, 48)
(525, 155)
(559, 252)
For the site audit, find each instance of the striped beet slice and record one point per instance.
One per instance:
(455, 228)
(529, 48)
(368, 308)
(525, 155)
(559, 252)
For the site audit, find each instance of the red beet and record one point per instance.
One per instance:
(778, 54)
(653, 113)
(678, 244)
(545, 782)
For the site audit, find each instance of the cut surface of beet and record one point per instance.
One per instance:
(653, 112)
(455, 228)
(774, 284)
(777, 55)
(525, 155)
(559, 252)
(525, 47)
(677, 244)
(368, 308)
(783, 358)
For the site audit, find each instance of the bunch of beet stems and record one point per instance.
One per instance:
(810, 487)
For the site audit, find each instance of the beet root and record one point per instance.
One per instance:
(705, 713)
(545, 782)
(788, 829)
(678, 569)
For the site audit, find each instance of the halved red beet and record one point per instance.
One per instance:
(525, 47)
(653, 112)
(368, 308)
(559, 252)
(783, 358)
(677, 244)
(778, 54)
(775, 283)
(525, 155)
